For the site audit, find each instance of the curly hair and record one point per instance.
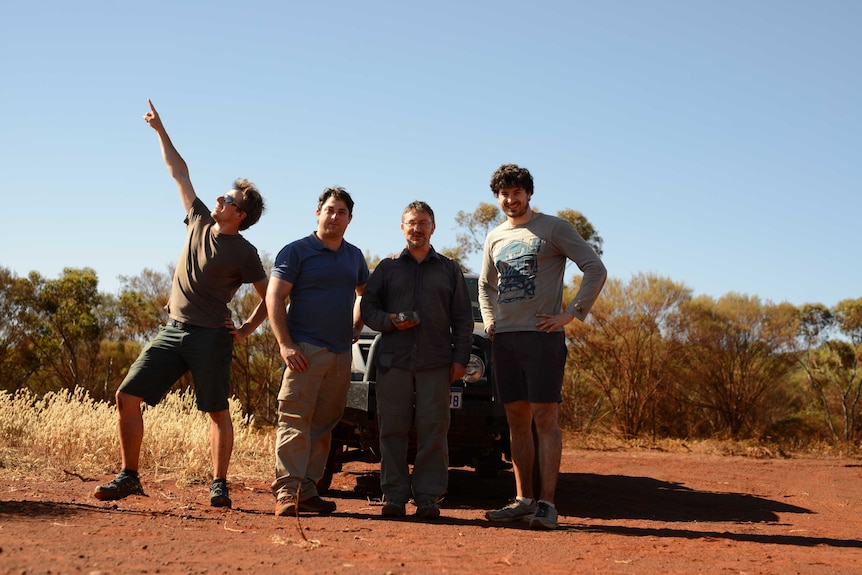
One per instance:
(512, 176)
(251, 203)
(338, 193)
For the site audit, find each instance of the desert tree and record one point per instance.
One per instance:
(627, 348)
(72, 319)
(831, 350)
(142, 302)
(739, 354)
(18, 359)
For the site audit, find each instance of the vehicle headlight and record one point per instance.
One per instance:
(475, 369)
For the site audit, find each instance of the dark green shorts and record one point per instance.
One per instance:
(205, 351)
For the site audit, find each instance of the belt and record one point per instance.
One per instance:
(180, 325)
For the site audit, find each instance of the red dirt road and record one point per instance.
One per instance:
(625, 512)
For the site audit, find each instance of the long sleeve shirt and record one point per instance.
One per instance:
(522, 273)
(435, 288)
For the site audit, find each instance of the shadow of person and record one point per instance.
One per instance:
(596, 496)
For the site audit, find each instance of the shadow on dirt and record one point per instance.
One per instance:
(625, 497)
(602, 497)
(56, 509)
(799, 540)
(36, 509)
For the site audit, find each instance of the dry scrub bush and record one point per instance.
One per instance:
(67, 432)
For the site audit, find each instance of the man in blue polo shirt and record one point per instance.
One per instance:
(322, 275)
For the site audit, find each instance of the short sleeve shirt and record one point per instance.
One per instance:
(210, 269)
(324, 290)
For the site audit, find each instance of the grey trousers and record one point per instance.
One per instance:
(421, 398)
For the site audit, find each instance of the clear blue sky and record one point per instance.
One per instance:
(714, 143)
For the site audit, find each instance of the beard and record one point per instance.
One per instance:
(417, 242)
(518, 210)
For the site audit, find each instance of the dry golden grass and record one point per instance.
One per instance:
(68, 433)
(726, 447)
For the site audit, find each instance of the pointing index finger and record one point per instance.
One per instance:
(152, 108)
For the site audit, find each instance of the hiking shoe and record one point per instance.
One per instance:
(218, 494)
(123, 485)
(287, 506)
(427, 510)
(317, 505)
(393, 510)
(545, 517)
(516, 510)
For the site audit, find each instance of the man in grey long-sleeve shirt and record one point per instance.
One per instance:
(418, 358)
(520, 295)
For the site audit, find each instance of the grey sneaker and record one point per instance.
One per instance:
(545, 517)
(218, 494)
(516, 510)
(123, 485)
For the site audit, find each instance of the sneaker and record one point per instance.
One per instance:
(123, 485)
(218, 494)
(545, 517)
(393, 510)
(516, 510)
(427, 510)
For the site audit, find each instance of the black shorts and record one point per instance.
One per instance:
(529, 366)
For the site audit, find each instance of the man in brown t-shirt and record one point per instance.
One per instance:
(215, 261)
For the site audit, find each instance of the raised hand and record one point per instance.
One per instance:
(152, 117)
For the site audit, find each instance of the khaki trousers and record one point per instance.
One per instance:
(310, 404)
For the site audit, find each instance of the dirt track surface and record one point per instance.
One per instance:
(621, 512)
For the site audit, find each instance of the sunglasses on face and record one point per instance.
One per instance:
(231, 201)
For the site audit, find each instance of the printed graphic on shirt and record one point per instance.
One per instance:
(517, 266)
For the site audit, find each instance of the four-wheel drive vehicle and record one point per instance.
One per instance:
(478, 433)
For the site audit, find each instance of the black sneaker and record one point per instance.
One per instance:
(218, 494)
(123, 485)
(428, 510)
(393, 510)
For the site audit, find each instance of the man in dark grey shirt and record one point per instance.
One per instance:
(198, 338)
(420, 303)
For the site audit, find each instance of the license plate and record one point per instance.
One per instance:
(456, 394)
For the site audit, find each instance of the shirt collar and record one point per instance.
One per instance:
(432, 253)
